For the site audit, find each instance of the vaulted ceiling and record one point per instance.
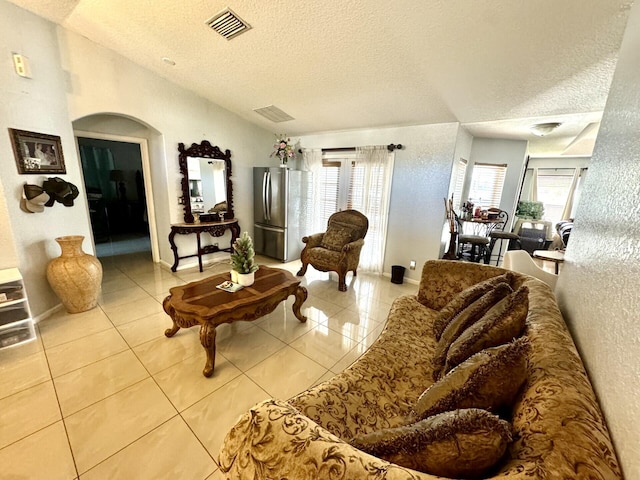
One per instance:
(495, 66)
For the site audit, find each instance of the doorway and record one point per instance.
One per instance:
(115, 186)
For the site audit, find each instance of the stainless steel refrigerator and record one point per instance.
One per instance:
(280, 211)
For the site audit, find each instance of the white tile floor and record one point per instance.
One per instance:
(104, 394)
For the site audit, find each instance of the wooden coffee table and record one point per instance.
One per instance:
(201, 303)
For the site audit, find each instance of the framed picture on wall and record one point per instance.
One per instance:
(37, 153)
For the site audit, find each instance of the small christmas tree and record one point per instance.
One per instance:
(242, 258)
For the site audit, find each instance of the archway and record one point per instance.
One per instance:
(119, 187)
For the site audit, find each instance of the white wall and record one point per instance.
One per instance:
(74, 78)
(598, 289)
(103, 81)
(39, 105)
(420, 182)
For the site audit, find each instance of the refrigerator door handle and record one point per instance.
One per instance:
(264, 195)
(268, 195)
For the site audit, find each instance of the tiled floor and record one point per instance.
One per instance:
(105, 395)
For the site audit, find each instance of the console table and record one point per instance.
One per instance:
(215, 229)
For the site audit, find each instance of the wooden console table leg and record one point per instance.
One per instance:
(174, 248)
(208, 341)
(301, 295)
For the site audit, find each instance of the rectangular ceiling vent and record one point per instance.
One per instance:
(274, 114)
(228, 24)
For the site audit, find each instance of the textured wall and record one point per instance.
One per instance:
(421, 177)
(73, 78)
(599, 288)
(38, 105)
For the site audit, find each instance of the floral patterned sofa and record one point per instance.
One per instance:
(558, 428)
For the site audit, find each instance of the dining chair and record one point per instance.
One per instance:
(498, 233)
(477, 244)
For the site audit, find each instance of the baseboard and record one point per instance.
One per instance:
(47, 314)
(408, 280)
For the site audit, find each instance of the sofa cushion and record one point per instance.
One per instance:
(461, 443)
(463, 299)
(502, 323)
(489, 379)
(336, 237)
(463, 320)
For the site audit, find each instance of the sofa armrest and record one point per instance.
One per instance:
(273, 440)
(313, 240)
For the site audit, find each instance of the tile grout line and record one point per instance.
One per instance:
(64, 424)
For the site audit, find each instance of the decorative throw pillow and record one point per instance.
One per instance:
(502, 323)
(490, 379)
(336, 237)
(457, 444)
(462, 321)
(465, 298)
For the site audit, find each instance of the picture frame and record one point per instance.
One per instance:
(37, 153)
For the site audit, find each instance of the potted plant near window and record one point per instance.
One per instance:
(242, 260)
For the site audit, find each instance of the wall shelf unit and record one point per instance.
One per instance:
(16, 324)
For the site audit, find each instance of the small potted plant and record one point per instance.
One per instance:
(242, 260)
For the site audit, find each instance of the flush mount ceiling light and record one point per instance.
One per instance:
(273, 113)
(542, 129)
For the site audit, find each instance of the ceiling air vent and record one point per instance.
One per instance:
(228, 24)
(274, 114)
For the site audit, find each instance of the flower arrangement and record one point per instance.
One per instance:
(283, 149)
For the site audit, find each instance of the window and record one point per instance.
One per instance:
(350, 181)
(554, 185)
(329, 190)
(460, 173)
(487, 181)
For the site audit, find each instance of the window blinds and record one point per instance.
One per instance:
(460, 176)
(487, 181)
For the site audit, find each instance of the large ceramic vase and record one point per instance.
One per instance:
(75, 276)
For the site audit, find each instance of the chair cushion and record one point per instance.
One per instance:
(336, 237)
(504, 235)
(457, 444)
(477, 239)
(490, 379)
(502, 323)
(465, 298)
(463, 320)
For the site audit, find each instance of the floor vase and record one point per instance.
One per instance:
(75, 276)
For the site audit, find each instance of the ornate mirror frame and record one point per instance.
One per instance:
(204, 150)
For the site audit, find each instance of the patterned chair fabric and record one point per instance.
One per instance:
(337, 249)
(558, 428)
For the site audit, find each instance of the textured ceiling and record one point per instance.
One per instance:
(352, 64)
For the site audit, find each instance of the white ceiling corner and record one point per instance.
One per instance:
(350, 64)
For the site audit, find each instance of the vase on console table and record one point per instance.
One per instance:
(75, 276)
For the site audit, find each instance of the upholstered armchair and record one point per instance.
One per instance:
(337, 249)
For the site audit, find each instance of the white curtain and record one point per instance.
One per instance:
(568, 207)
(378, 163)
(312, 162)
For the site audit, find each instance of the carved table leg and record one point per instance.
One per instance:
(170, 332)
(166, 305)
(208, 341)
(174, 248)
(301, 296)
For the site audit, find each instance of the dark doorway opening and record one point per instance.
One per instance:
(114, 184)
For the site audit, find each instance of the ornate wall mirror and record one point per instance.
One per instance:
(206, 182)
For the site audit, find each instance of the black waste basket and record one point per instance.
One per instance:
(397, 274)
